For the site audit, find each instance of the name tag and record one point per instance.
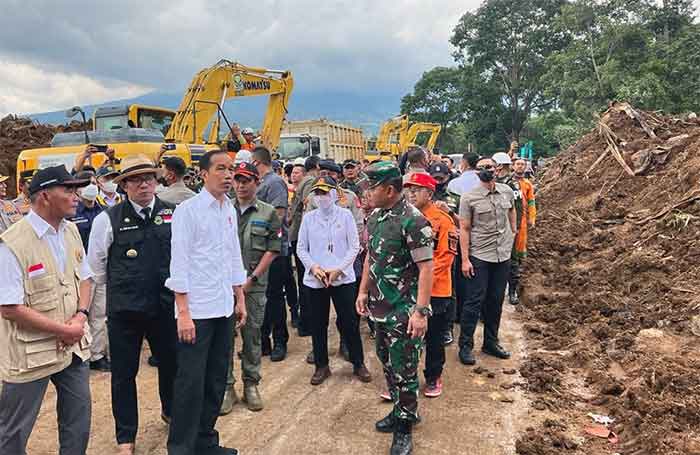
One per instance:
(128, 228)
(36, 270)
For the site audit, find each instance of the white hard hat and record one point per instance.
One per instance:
(247, 131)
(299, 162)
(244, 156)
(501, 158)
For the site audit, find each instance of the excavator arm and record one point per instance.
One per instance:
(397, 125)
(420, 128)
(201, 107)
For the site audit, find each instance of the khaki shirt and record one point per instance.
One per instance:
(298, 206)
(176, 193)
(491, 237)
(259, 231)
(9, 215)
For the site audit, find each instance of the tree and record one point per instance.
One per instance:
(508, 43)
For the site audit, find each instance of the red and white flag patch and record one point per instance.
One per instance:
(167, 218)
(36, 270)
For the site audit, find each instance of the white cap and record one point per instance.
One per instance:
(299, 162)
(244, 156)
(501, 158)
(247, 131)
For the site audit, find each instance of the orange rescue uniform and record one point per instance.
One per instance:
(528, 217)
(445, 249)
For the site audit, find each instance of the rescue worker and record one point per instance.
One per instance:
(328, 244)
(175, 190)
(395, 290)
(249, 136)
(273, 190)
(296, 212)
(130, 252)
(108, 196)
(22, 201)
(487, 226)
(9, 214)
(527, 221)
(44, 307)
(420, 193)
(351, 176)
(84, 217)
(207, 276)
(258, 229)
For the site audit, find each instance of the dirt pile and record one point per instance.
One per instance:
(19, 133)
(610, 294)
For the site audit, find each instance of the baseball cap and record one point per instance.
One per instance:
(299, 162)
(330, 165)
(3, 178)
(276, 164)
(26, 176)
(501, 158)
(420, 179)
(324, 184)
(380, 172)
(438, 169)
(107, 170)
(350, 163)
(247, 170)
(54, 176)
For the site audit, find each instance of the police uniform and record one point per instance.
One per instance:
(399, 238)
(22, 203)
(258, 232)
(130, 251)
(9, 215)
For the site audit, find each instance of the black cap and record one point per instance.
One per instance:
(330, 165)
(350, 163)
(247, 170)
(438, 169)
(27, 175)
(175, 164)
(54, 176)
(107, 170)
(276, 164)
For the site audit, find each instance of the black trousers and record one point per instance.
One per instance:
(434, 346)
(275, 320)
(290, 288)
(126, 331)
(200, 387)
(303, 291)
(514, 279)
(461, 285)
(485, 293)
(344, 302)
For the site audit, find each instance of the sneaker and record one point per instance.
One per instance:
(433, 389)
(385, 395)
(447, 337)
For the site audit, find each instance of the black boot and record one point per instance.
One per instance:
(513, 297)
(387, 424)
(403, 441)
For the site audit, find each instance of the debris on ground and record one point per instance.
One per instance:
(610, 299)
(20, 133)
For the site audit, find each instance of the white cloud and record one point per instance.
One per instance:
(79, 49)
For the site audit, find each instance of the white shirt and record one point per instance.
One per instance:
(464, 183)
(11, 276)
(331, 243)
(206, 256)
(101, 238)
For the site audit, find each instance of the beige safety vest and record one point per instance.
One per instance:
(26, 354)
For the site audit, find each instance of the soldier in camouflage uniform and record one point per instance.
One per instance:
(395, 292)
(259, 230)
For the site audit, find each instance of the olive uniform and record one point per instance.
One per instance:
(259, 230)
(399, 238)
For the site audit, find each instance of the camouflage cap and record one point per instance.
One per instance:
(379, 173)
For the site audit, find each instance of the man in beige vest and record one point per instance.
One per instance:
(46, 284)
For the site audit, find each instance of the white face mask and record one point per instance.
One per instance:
(89, 192)
(323, 202)
(109, 187)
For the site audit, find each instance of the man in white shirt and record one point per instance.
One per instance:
(46, 284)
(327, 246)
(206, 272)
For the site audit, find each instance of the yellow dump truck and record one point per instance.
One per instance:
(322, 137)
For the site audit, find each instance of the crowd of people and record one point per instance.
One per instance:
(94, 261)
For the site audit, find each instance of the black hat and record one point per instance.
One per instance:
(438, 169)
(350, 163)
(330, 165)
(106, 170)
(247, 170)
(27, 175)
(324, 184)
(54, 176)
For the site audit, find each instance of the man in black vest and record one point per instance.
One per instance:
(130, 250)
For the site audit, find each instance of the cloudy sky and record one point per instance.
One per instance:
(55, 54)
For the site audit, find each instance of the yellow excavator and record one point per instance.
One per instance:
(193, 128)
(420, 128)
(395, 136)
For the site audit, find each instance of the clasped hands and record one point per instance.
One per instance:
(325, 276)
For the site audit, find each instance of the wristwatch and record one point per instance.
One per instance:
(84, 311)
(253, 278)
(425, 311)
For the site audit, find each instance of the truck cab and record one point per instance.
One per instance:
(293, 146)
(132, 116)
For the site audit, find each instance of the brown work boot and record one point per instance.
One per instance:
(362, 373)
(230, 399)
(126, 449)
(320, 375)
(251, 397)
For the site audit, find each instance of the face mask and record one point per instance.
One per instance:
(323, 202)
(89, 192)
(486, 175)
(109, 187)
(441, 186)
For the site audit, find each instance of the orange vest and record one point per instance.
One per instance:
(445, 249)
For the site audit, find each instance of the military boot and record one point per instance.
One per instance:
(403, 441)
(230, 399)
(387, 424)
(251, 397)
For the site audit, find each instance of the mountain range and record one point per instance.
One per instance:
(366, 111)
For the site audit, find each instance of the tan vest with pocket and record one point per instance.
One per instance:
(26, 354)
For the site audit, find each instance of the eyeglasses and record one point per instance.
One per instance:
(139, 179)
(485, 168)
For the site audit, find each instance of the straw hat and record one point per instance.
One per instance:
(137, 165)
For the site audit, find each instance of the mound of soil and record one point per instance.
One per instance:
(20, 133)
(610, 293)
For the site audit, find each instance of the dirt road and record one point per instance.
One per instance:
(475, 415)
